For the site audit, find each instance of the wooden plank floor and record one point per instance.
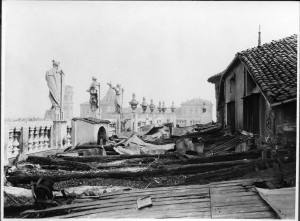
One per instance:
(222, 200)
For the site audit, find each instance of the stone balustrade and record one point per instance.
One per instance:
(39, 139)
(68, 137)
(13, 144)
(35, 137)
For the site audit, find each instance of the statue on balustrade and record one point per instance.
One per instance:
(95, 86)
(119, 94)
(55, 81)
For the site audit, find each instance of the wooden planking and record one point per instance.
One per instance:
(236, 195)
(154, 193)
(168, 214)
(230, 184)
(132, 208)
(186, 187)
(166, 195)
(229, 201)
(120, 199)
(168, 189)
(153, 213)
(252, 215)
(232, 181)
(185, 214)
(156, 189)
(201, 203)
(250, 208)
(230, 189)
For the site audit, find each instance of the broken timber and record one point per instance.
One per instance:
(215, 168)
(169, 156)
(57, 162)
(118, 157)
(230, 173)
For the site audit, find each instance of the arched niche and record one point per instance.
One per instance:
(101, 138)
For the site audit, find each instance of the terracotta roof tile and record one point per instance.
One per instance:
(274, 67)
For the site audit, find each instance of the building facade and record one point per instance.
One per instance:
(191, 112)
(258, 92)
(194, 111)
(107, 108)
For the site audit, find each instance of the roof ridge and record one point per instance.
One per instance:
(289, 38)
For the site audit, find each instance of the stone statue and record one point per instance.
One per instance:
(55, 81)
(94, 94)
(118, 101)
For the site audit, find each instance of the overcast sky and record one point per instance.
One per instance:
(164, 51)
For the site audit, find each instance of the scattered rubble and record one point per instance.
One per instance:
(155, 157)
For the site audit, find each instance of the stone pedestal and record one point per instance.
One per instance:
(53, 115)
(59, 133)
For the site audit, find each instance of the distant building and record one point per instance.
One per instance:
(195, 111)
(107, 108)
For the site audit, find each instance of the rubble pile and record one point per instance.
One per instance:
(158, 157)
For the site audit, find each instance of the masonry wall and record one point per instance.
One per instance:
(285, 122)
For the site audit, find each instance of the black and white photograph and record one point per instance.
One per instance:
(149, 109)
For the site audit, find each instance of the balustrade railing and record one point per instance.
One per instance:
(68, 137)
(39, 139)
(33, 137)
(13, 142)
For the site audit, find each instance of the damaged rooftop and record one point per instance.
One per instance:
(139, 148)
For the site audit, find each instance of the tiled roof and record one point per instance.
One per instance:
(215, 77)
(274, 68)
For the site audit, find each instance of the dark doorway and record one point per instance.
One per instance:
(101, 139)
(231, 115)
(251, 113)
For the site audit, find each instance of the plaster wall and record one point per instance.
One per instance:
(235, 94)
(83, 132)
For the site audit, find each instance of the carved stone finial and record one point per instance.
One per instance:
(163, 108)
(152, 106)
(133, 103)
(159, 108)
(144, 105)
